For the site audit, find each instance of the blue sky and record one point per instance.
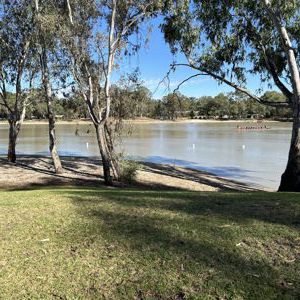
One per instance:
(154, 61)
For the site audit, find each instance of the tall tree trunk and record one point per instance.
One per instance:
(52, 138)
(290, 179)
(51, 116)
(104, 152)
(12, 141)
(115, 166)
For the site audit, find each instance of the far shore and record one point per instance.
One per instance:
(148, 121)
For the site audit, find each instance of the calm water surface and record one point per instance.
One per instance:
(255, 157)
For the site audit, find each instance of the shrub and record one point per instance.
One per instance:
(128, 170)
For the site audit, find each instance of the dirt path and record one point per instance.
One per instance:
(38, 171)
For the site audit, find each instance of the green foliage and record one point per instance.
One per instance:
(192, 114)
(128, 170)
(131, 102)
(234, 39)
(171, 105)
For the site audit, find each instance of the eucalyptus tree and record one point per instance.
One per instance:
(228, 40)
(100, 41)
(16, 72)
(50, 26)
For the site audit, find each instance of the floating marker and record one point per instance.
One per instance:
(87, 145)
(244, 147)
(194, 146)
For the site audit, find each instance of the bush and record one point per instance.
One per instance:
(192, 114)
(128, 170)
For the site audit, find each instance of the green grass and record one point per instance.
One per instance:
(76, 243)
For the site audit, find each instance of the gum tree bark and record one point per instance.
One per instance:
(47, 91)
(109, 162)
(14, 129)
(99, 124)
(104, 152)
(12, 141)
(51, 114)
(290, 179)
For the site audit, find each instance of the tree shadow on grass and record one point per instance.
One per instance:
(145, 224)
(277, 208)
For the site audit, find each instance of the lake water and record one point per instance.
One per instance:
(255, 157)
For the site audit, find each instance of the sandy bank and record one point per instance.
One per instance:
(33, 171)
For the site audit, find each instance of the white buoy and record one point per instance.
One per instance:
(244, 147)
(194, 146)
(87, 145)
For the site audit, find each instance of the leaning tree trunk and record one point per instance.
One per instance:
(104, 152)
(12, 141)
(290, 179)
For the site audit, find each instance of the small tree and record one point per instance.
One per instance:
(192, 114)
(94, 57)
(171, 105)
(16, 32)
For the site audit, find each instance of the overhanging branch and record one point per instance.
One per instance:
(187, 79)
(235, 86)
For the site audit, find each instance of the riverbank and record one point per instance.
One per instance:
(146, 121)
(37, 171)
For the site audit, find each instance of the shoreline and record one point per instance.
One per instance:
(147, 121)
(37, 171)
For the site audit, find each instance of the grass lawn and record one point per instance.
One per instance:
(77, 243)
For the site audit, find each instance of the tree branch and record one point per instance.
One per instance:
(70, 12)
(272, 69)
(110, 61)
(289, 50)
(187, 79)
(3, 93)
(20, 69)
(166, 77)
(235, 86)
(270, 63)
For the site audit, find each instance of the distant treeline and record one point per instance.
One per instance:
(130, 103)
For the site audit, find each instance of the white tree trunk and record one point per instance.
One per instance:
(290, 179)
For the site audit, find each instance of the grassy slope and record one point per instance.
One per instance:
(77, 243)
